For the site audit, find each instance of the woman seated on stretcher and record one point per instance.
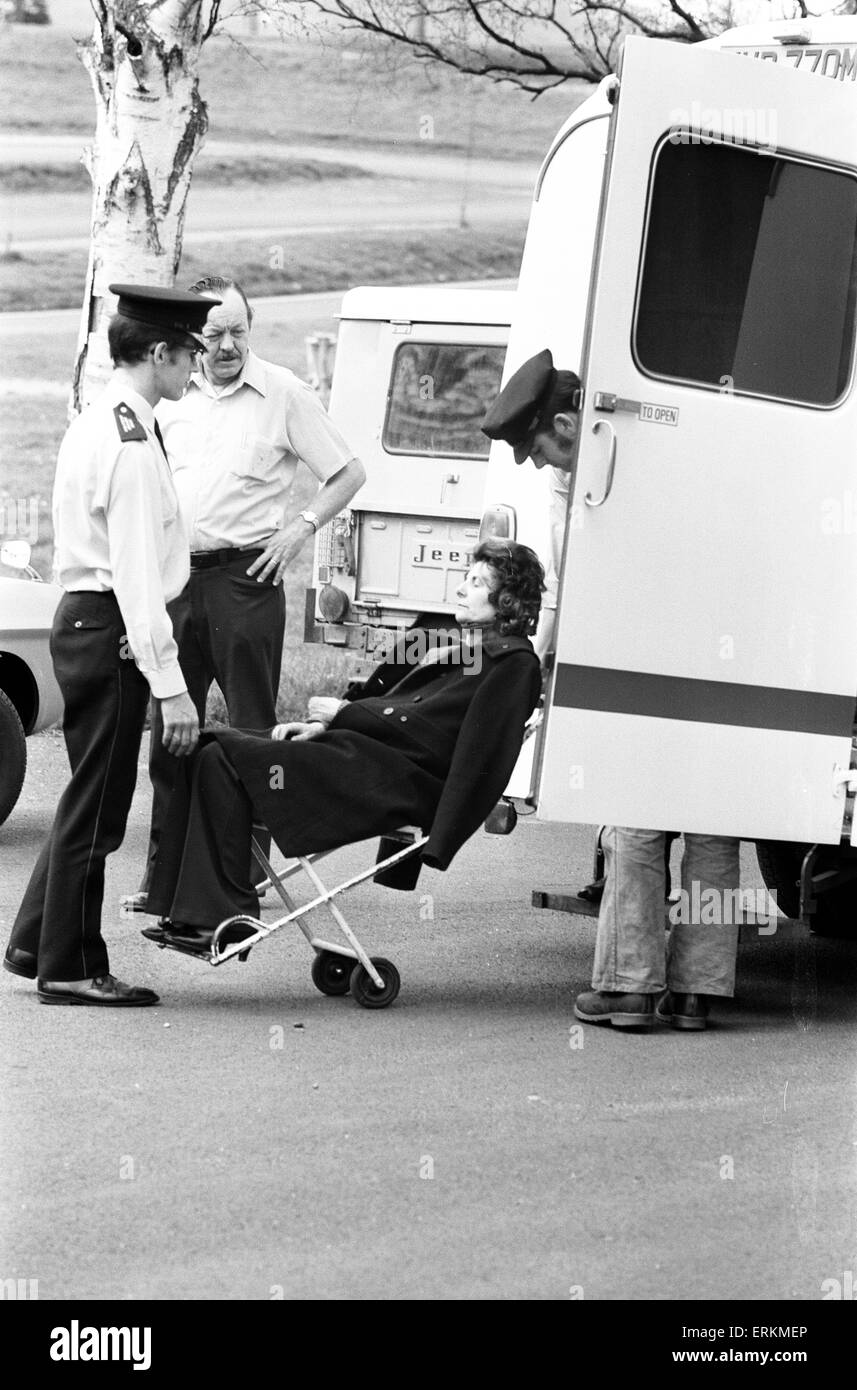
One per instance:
(430, 739)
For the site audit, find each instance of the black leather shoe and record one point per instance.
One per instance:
(103, 990)
(159, 932)
(688, 1012)
(619, 1010)
(19, 962)
(188, 937)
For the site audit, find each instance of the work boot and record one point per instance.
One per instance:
(688, 1012)
(620, 1009)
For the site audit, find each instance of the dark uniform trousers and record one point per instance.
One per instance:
(209, 823)
(105, 699)
(229, 628)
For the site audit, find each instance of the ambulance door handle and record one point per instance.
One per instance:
(448, 478)
(611, 464)
(608, 402)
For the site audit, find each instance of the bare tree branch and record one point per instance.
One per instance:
(99, 9)
(213, 18)
(695, 29)
(516, 40)
(499, 69)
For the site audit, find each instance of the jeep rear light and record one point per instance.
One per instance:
(498, 523)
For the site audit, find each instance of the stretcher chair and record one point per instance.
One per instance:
(343, 966)
(339, 967)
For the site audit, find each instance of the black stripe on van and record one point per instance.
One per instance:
(703, 702)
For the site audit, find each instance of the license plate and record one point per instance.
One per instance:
(830, 60)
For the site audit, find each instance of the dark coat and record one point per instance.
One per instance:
(432, 745)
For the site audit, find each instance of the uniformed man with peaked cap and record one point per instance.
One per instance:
(236, 440)
(121, 555)
(537, 413)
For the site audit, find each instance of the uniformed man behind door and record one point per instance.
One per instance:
(121, 555)
(537, 413)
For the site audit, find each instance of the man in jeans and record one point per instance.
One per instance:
(633, 963)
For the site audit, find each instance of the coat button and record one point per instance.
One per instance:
(403, 718)
(389, 710)
(78, 624)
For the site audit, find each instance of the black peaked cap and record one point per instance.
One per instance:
(180, 311)
(515, 412)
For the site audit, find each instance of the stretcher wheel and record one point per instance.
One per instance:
(332, 973)
(367, 993)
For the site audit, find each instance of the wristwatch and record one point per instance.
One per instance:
(310, 518)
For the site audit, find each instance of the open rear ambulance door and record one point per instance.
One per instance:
(706, 668)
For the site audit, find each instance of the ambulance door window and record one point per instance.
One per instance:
(438, 396)
(749, 273)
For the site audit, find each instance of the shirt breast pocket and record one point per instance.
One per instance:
(258, 459)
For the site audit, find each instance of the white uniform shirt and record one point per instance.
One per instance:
(234, 453)
(117, 526)
(558, 486)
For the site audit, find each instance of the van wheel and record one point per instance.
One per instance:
(13, 756)
(780, 864)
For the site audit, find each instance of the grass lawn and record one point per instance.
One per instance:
(310, 262)
(223, 171)
(337, 91)
(340, 93)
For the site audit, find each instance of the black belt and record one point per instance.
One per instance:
(206, 559)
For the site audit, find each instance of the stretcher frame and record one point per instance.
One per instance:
(372, 981)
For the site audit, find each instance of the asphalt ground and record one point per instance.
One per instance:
(252, 1139)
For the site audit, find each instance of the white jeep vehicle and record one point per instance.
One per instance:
(415, 371)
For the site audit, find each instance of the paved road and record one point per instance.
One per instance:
(410, 190)
(17, 147)
(250, 1135)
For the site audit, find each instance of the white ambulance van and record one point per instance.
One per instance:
(415, 371)
(692, 251)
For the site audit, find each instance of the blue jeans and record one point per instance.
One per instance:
(631, 954)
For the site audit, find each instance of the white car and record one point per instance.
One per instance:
(30, 698)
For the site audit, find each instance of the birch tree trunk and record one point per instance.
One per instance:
(143, 61)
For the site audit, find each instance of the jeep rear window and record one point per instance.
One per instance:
(749, 273)
(438, 396)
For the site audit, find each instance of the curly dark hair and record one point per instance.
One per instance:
(520, 585)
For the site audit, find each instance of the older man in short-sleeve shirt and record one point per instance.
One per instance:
(234, 442)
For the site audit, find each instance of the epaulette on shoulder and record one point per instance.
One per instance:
(128, 425)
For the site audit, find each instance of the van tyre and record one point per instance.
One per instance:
(780, 864)
(13, 756)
